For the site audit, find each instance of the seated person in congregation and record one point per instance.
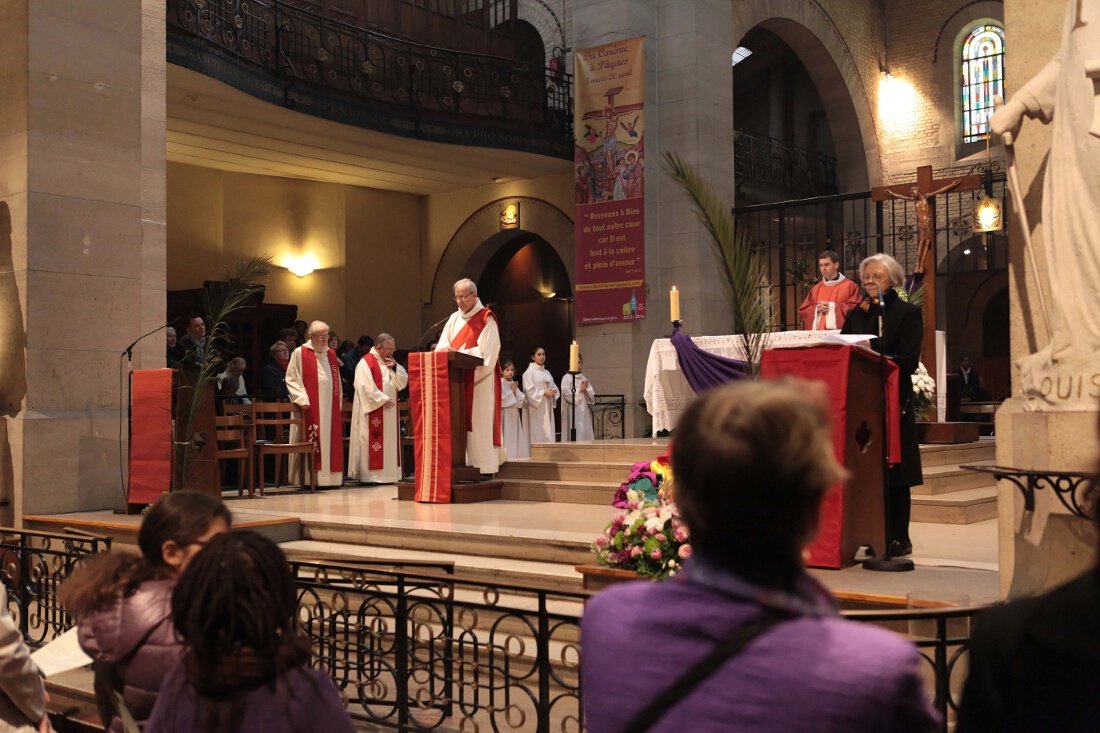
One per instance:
(970, 383)
(752, 463)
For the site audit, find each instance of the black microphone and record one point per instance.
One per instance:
(422, 343)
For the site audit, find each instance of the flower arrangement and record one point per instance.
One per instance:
(647, 536)
(924, 391)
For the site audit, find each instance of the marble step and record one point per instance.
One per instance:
(595, 471)
(949, 478)
(563, 492)
(533, 545)
(946, 455)
(957, 507)
(621, 451)
(467, 567)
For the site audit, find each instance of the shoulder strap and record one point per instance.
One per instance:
(727, 649)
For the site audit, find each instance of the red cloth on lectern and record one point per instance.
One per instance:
(829, 364)
(151, 435)
(429, 395)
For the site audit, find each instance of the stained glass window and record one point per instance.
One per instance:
(983, 77)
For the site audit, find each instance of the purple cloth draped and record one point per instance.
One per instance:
(702, 369)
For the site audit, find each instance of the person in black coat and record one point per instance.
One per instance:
(902, 332)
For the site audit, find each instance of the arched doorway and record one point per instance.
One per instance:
(528, 286)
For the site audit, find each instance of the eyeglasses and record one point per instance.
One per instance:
(460, 298)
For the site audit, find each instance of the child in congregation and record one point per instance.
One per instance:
(122, 603)
(517, 441)
(245, 665)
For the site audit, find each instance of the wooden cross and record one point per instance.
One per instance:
(922, 194)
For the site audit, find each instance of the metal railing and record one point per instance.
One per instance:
(608, 413)
(288, 55)
(414, 648)
(32, 567)
(789, 168)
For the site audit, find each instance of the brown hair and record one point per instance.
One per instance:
(752, 463)
(181, 516)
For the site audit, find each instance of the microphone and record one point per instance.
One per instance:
(422, 343)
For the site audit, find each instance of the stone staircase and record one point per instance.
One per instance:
(951, 495)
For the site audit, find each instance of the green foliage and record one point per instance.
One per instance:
(742, 272)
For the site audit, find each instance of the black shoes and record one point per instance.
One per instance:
(899, 550)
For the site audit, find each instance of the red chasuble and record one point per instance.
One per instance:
(375, 420)
(467, 338)
(313, 415)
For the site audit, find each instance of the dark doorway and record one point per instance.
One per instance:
(528, 287)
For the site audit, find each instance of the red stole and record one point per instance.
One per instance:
(466, 338)
(375, 420)
(312, 413)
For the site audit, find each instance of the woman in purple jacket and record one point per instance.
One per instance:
(246, 663)
(122, 602)
(752, 463)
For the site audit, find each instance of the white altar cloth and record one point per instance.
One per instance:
(667, 393)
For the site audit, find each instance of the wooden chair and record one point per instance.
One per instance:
(233, 445)
(405, 431)
(345, 424)
(281, 416)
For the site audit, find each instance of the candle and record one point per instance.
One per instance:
(574, 357)
(674, 303)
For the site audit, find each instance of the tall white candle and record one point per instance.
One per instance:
(574, 357)
(674, 303)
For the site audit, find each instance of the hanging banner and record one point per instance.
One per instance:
(609, 188)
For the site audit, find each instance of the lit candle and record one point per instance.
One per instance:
(574, 357)
(674, 303)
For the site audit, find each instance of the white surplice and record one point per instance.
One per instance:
(517, 441)
(369, 397)
(585, 399)
(480, 451)
(540, 408)
(297, 388)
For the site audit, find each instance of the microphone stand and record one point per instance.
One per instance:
(885, 563)
(128, 353)
(573, 408)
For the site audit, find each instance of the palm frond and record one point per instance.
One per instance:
(742, 273)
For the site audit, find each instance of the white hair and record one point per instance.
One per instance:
(466, 283)
(171, 330)
(893, 268)
(315, 327)
(383, 338)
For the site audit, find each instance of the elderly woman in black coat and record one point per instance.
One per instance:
(902, 331)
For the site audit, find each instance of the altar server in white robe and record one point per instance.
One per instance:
(542, 396)
(517, 441)
(585, 398)
(472, 329)
(313, 381)
(375, 450)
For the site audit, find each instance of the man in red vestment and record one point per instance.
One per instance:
(830, 300)
(313, 381)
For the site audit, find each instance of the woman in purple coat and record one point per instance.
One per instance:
(752, 464)
(122, 603)
(246, 663)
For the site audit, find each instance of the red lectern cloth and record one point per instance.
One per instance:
(151, 435)
(830, 364)
(430, 398)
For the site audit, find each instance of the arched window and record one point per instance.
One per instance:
(983, 77)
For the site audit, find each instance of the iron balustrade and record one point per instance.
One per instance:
(798, 171)
(329, 67)
(608, 412)
(32, 568)
(414, 648)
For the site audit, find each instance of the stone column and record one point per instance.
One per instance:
(1044, 548)
(689, 111)
(81, 241)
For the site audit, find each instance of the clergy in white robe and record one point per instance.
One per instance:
(313, 381)
(585, 398)
(542, 396)
(472, 329)
(517, 441)
(375, 450)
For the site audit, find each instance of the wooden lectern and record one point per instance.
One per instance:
(852, 512)
(466, 484)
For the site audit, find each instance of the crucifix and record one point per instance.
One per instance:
(611, 115)
(922, 194)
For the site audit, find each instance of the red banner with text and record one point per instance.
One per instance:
(609, 185)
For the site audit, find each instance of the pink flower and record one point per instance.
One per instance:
(601, 542)
(635, 551)
(655, 555)
(661, 537)
(685, 552)
(679, 534)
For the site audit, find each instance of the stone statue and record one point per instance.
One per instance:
(925, 235)
(1064, 94)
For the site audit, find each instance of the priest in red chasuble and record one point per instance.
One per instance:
(375, 450)
(473, 330)
(831, 299)
(313, 380)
